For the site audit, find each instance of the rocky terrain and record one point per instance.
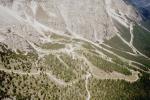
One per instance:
(73, 50)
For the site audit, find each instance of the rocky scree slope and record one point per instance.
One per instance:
(68, 47)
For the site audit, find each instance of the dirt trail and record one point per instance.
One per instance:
(86, 86)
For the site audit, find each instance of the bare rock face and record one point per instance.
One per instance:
(125, 10)
(90, 19)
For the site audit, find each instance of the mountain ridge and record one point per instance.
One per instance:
(73, 50)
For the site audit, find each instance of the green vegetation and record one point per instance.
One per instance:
(93, 56)
(117, 43)
(17, 61)
(52, 63)
(52, 46)
(140, 66)
(20, 77)
(106, 65)
(107, 53)
(124, 32)
(139, 58)
(88, 46)
(146, 24)
(74, 64)
(142, 40)
(120, 90)
(57, 37)
(40, 87)
(25, 87)
(60, 38)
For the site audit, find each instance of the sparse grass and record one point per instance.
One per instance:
(61, 39)
(142, 40)
(53, 46)
(55, 36)
(122, 65)
(106, 65)
(88, 46)
(146, 24)
(140, 66)
(139, 58)
(124, 32)
(117, 43)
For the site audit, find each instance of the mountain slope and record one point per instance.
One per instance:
(64, 49)
(93, 22)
